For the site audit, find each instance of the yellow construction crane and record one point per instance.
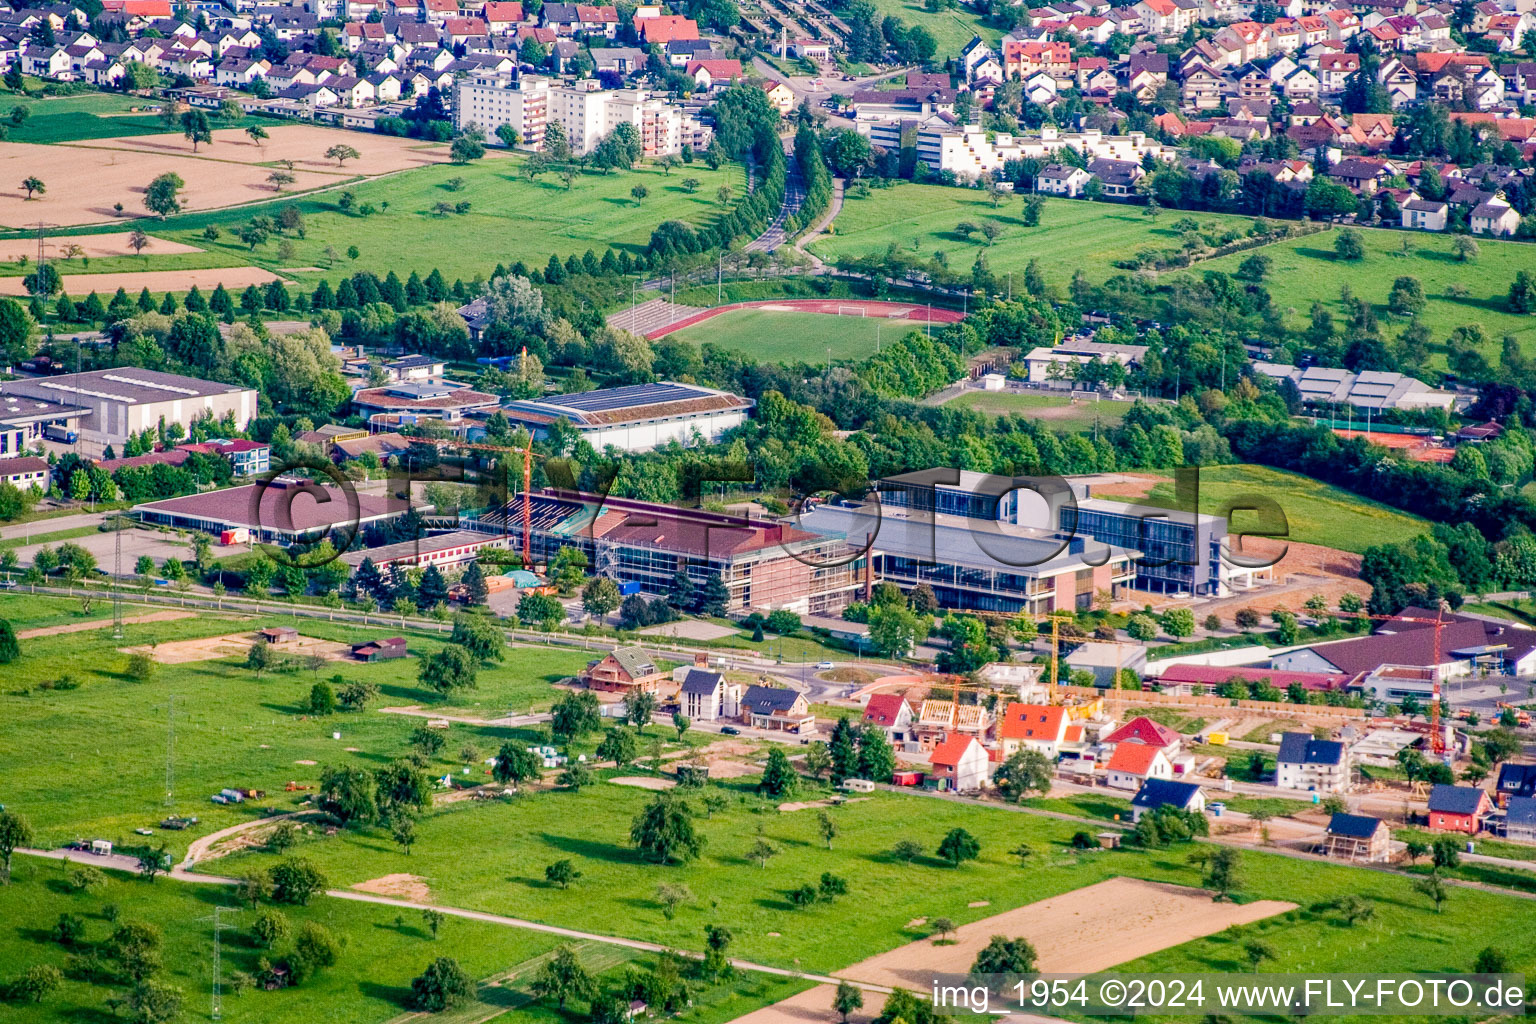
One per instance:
(1056, 620)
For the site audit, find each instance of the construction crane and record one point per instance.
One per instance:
(527, 453)
(1436, 734)
(1056, 620)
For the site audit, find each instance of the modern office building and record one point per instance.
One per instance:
(764, 565)
(1178, 551)
(281, 511)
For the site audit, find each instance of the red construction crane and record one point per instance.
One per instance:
(527, 454)
(1436, 734)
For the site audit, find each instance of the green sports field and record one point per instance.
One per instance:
(773, 337)
(1305, 270)
(1316, 513)
(1051, 410)
(1072, 234)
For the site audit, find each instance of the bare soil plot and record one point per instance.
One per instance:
(813, 1006)
(401, 886)
(692, 629)
(1089, 929)
(641, 782)
(95, 246)
(85, 181)
(212, 648)
(82, 627)
(305, 145)
(232, 278)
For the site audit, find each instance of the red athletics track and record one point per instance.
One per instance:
(886, 310)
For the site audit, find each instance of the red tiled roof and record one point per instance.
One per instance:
(1133, 758)
(883, 708)
(1032, 722)
(503, 10)
(1215, 675)
(951, 750)
(666, 27)
(1142, 731)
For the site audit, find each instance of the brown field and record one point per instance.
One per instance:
(79, 285)
(305, 145)
(401, 886)
(95, 246)
(85, 181)
(813, 1006)
(236, 645)
(1089, 929)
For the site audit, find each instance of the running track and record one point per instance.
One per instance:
(887, 310)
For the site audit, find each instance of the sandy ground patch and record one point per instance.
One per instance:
(829, 802)
(641, 782)
(305, 145)
(306, 762)
(95, 246)
(691, 629)
(212, 648)
(232, 278)
(1089, 929)
(401, 886)
(84, 182)
(813, 1006)
(82, 627)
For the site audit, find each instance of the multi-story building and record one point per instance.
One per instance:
(585, 111)
(1318, 766)
(763, 565)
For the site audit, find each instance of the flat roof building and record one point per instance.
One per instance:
(444, 550)
(1368, 389)
(280, 512)
(105, 406)
(637, 417)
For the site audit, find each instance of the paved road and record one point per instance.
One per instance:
(794, 194)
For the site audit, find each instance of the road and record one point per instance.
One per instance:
(794, 194)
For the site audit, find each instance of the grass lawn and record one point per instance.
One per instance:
(50, 537)
(1485, 846)
(1072, 234)
(510, 219)
(88, 115)
(592, 827)
(1176, 720)
(951, 29)
(1051, 410)
(107, 737)
(1305, 270)
(370, 983)
(1316, 513)
(796, 337)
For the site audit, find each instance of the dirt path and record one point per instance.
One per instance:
(84, 627)
(202, 849)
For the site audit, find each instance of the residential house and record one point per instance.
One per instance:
(937, 719)
(1520, 820)
(890, 713)
(25, 472)
(1425, 215)
(1458, 808)
(1134, 763)
(1515, 780)
(1304, 763)
(1155, 793)
(713, 74)
(1144, 731)
(706, 696)
(1357, 837)
(1496, 218)
(1039, 727)
(780, 97)
(623, 670)
(777, 709)
(959, 764)
(1118, 177)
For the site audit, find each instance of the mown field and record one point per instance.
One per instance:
(1072, 234)
(88, 115)
(510, 219)
(617, 891)
(385, 948)
(1052, 410)
(795, 337)
(1316, 513)
(951, 29)
(1305, 270)
(91, 760)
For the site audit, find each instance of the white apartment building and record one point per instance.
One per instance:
(968, 151)
(584, 110)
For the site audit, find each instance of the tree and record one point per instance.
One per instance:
(1026, 771)
(1433, 886)
(271, 927)
(32, 183)
(1221, 871)
(433, 919)
(37, 982)
(403, 831)
(161, 197)
(907, 850)
(664, 830)
(349, 793)
(296, 880)
(761, 851)
(152, 1002)
(466, 148)
(1257, 952)
(1004, 956)
(515, 764)
(958, 846)
(618, 746)
(942, 927)
(848, 999)
(258, 135)
(671, 896)
(562, 977)
(443, 985)
(778, 779)
(1522, 293)
(195, 128)
(15, 831)
(600, 597)
(562, 873)
(280, 180)
(341, 154)
(10, 647)
(448, 669)
(574, 775)
(1465, 248)
(573, 715)
(639, 192)
(827, 827)
(479, 636)
(1355, 909)
(639, 707)
(322, 698)
(894, 630)
(1491, 960)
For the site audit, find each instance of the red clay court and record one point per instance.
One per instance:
(833, 307)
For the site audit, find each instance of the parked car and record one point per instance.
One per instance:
(822, 666)
(729, 730)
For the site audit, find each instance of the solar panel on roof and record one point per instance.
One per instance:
(608, 399)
